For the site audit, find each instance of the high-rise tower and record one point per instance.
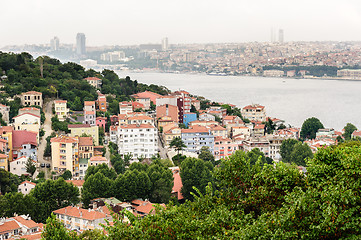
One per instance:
(80, 44)
(165, 44)
(280, 36)
(54, 44)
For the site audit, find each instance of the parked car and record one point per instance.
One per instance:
(48, 165)
(42, 165)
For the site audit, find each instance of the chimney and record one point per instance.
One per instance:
(166, 110)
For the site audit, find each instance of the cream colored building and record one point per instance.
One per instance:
(61, 109)
(64, 154)
(29, 122)
(170, 132)
(4, 110)
(254, 112)
(97, 160)
(32, 98)
(80, 129)
(3, 162)
(25, 187)
(18, 166)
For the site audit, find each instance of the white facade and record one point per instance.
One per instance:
(61, 110)
(89, 113)
(25, 187)
(206, 117)
(137, 140)
(18, 166)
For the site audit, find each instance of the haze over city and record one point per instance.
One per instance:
(133, 22)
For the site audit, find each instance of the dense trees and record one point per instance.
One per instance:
(95, 186)
(349, 129)
(293, 151)
(206, 155)
(286, 149)
(195, 173)
(8, 182)
(309, 128)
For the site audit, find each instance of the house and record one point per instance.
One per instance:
(18, 166)
(259, 130)
(32, 110)
(29, 122)
(356, 134)
(101, 122)
(140, 119)
(19, 227)
(4, 161)
(114, 120)
(144, 208)
(146, 98)
(189, 117)
(75, 218)
(170, 132)
(77, 130)
(113, 134)
(218, 131)
(4, 110)
(32, 98)
(64, 154)
(94, 81)
(217, 111)
(164, 121)
(24, 143)
(137, 106)
(61, 109)
(261, 143)
(197, 137)
(6, 140)
(196, 103)
(275, 143)
(89, 113)
(202, 123)
(139, 140)
(25, 187)
(224, 147)
(86, 149)
(97, 160)
(170, 100)
(254, 112)
(168, 110)
(206, 117)
(232, 120)
(125, 107)
(102, 103)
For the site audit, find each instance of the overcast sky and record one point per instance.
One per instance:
(119, 22)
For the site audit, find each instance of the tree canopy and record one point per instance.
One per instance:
(349, 129)
(309, 128)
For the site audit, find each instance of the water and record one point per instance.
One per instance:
(334, 102)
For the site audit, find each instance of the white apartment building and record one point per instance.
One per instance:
(89, 113)
(254, 112)
(61, 110)
(138, 140)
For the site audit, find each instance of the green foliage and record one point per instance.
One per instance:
(30, 166)
(55, 230)
(177, 159)
(270, 126)
(256, 155)
(286, 149)
(162, 182)
(67, 175)
(309, 128)
(8, 182)
(47, 151)
(177, 144)
(349, 129)
(300, 153)
(206, 155)
(57, 125)
(54, 195)
(195, 173)
(132, 185)
(95, 186)
(118, 163)
(102, 168)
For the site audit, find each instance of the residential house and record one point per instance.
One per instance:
(356, 134)
(137, 106)
(65, 154)
(114, 120)
(197, 137)
(4, 110)
(146, 98)
(224, 147)
(89, 113)
(275, 143)
(137, 140)
(164, 121)
(254, 112)
(168, 110)
(261, 143)
(77, 130)
(25, 187)
(24, 144)
(218, 131)
(140, 119)
(28, 122)
(6, 140)
(217, 111)
(101, 122)
(61, 109)
(196, 103)
(125, 107)
(143, 208)
(4, 161)
(18, 166)
(75, 218)
(259, 130)
(19, 227)
(113, 134)
(97, 160)
(102, 103)
(86, 149)
(94, 81)
(32, 98)
(232, 120)
(202, 123)
(170, 132)
(206, 117)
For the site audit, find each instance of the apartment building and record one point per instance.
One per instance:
(75, 218)
(125, 107)
(206, 117)
(349, 73)
(140, 119)
(197, 137)
(86, 149)
(94, 81)
(254, 112)
(3, 161)
(89, 113)
(224, 147)
(61, 109)
(102, 103)
(77, 130)
(170, 132)
(138, 140)
(101, 122)
(32, 98)
(168, 110)
(65, 154)
(24, 143)
(97, 160)
(261, 143)
(146, 98)
(273, 73)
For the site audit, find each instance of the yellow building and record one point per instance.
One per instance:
(77, 130)
(6, 133)
(65, 154)
(61, 110)
(4, 162)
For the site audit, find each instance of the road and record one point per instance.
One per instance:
(47, 108)
(162, 151)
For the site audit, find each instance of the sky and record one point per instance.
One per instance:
(119, 22)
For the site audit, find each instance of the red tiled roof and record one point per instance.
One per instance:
(28, 114)
(78, 125)
(146, 208)
(28, 182)
(177, 185)
(98, 158)
(136, 126)
(34, 236)
(195, 129)
(8, 226)
(89, 103)
(260, 126)
(85, 141)
(64, 139)
(140, 117)
(147, 94)
(92, 78)
(3, 155)
(80, 213)
(21, 137)
(29, 109)
(60, 101)
(78, 183)
(31, 93)
(27, 223)
(89, 112)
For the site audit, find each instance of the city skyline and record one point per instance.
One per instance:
(137, 22)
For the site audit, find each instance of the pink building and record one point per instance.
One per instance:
(224, 147)
(101, 121)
